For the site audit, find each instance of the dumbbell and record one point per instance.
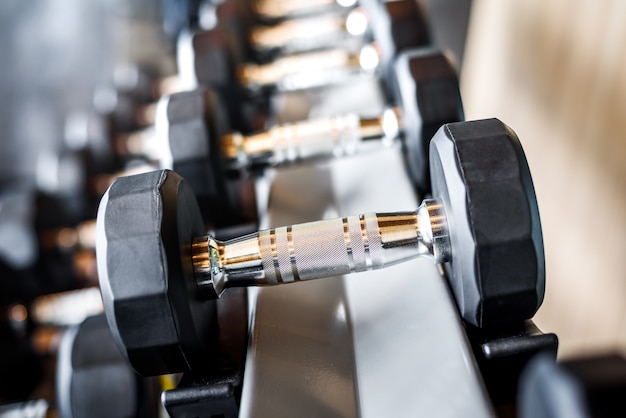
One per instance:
(160, 274)
(309, 33)
(395, 26)
(589, 386)
(94, 380)
(426, 96)
(398, 21)
(191, 138)
(213, 58)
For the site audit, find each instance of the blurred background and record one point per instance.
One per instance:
(553, 71)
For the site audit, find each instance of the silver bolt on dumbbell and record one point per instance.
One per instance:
(160, 273)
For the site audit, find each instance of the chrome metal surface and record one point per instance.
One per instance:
(298, 141)
(321, 249)
(311, 69)
(309, 33)
(291, 8)
(311, 139)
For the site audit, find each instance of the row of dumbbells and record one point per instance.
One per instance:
(162, 276)
(201, 109)
(193, 127)
(412, 112)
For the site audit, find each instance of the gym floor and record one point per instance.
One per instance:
(554, 72)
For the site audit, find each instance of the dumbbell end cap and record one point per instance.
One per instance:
(497, 270)
(145, 225)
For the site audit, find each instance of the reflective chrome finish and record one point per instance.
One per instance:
(311, 69)
(309, 33)
(275, 9)
(321, 249)
(434, 230)
(334, 136)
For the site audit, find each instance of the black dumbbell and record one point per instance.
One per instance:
(94, 380)
(190, 134)
(591, 386)
(159, 272)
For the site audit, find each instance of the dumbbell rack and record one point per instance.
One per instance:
(383, 342)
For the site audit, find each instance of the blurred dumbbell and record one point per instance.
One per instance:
(67, 257)
(69, 251)
(159, 272)
(398, 25)
(585, 387)
(394, 25)
(213, 58)
(426, 95)
(94, 380)
(190, 134)
(309, 33)
(183, 139)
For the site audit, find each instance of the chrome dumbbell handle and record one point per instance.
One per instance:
(334, 136)
(321, 249)
(290, 8)
(312, 69)
(309, 33)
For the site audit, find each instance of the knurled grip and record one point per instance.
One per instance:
(321, 249)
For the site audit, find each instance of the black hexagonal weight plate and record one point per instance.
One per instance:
(192, 124)
(427, 91)
(145, 227)
(497, 271)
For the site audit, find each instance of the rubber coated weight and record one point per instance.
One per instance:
(210, 58)
(92, 377)
(497, 272)
(145, 227)
(190, 125)
(396, 26)
(586, 386)
(427, 90)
